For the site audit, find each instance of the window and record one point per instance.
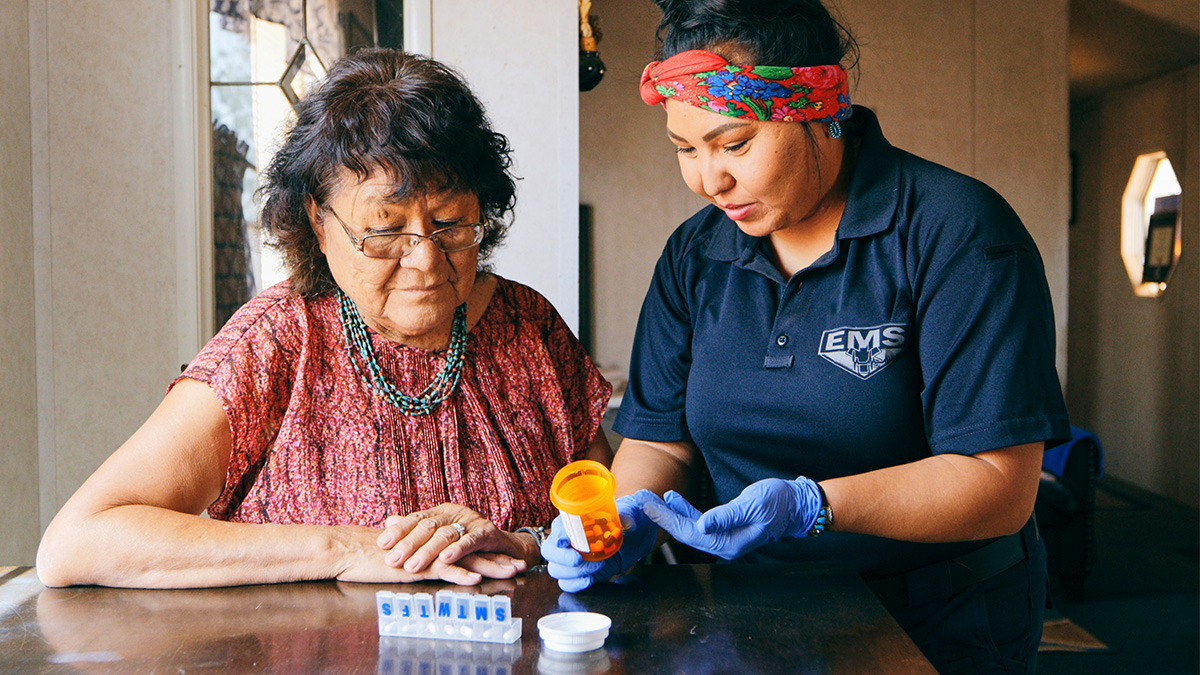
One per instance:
(1151, 226)
(263, 56)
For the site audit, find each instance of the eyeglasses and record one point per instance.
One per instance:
(394, 245)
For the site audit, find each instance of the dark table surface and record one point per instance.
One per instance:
(665, 619)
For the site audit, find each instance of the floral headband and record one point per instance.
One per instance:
(778, 93)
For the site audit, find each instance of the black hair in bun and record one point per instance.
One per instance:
(793, 33)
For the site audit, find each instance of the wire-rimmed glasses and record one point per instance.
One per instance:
(392, 245)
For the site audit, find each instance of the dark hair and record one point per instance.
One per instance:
(382, 109)
(791, 33)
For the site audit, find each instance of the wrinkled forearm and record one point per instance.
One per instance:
(149, 547)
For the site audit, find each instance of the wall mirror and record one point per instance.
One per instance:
(1151, 224)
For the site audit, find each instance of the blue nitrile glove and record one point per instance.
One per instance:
(767, 510)
(574, 573)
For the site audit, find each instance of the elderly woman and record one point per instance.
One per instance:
(391, 413)
(858, 344)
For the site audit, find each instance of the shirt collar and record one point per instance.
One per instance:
(870, 206)
(874, 193)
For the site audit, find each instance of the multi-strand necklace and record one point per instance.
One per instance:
(358, 341)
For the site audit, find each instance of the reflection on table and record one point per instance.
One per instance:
(666, 619)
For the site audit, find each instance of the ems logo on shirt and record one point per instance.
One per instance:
(862, 352)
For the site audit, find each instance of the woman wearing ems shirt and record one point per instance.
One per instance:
(857, 342)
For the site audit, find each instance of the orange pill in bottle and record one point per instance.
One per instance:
(583, 492)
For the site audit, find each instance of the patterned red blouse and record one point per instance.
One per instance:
(313, 443)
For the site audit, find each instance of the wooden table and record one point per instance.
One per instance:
(666, 619)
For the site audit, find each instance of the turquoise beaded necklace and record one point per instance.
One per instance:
(358, 341)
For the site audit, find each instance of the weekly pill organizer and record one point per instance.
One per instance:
(475, 617)
(447, 615)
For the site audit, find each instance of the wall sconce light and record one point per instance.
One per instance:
(591, 68)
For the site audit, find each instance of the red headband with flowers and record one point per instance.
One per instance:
(778, 93)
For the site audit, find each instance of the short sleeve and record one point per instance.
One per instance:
(585, 393)
(250, 366)
(653, 406)
(986, 330)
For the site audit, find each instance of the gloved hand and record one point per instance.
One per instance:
(767, 510)
(574, 573)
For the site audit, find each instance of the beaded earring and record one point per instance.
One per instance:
(835, 129)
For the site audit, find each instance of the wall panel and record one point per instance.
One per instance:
(111, 220)
(18, 367)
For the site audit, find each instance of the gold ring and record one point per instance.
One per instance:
(459, 529)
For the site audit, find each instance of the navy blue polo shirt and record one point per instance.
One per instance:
(926, 329)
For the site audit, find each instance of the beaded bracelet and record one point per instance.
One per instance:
(824, 514)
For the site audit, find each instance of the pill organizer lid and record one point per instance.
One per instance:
(574, 631)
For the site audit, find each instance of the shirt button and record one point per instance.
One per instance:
(781, 340)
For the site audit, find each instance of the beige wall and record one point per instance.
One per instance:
(1135, 362)
(965, 84)
(110, 263)
(18, 366)
(88, 245)
(523, 63)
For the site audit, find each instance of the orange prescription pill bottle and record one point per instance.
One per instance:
(583, 492)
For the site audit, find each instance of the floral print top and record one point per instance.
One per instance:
(313, 443)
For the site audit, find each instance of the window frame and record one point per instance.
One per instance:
(192, 134)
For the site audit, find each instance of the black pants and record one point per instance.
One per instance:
(993, 626)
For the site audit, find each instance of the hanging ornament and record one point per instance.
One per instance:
(591, 68)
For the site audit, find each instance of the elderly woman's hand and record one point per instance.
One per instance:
(454, 534)
(359, 559)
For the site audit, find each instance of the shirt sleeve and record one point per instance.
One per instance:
(584, 389)
(653, 406)
(986, 329)
(250, 366)
(585, 392)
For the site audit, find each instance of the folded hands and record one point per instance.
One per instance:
(449, 542)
